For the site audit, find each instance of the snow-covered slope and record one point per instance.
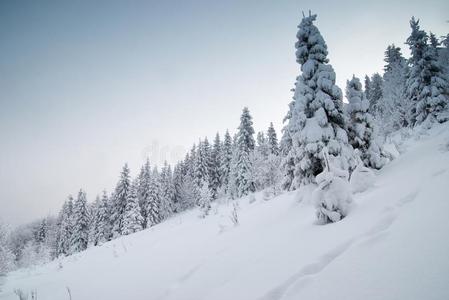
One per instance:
(393, 245)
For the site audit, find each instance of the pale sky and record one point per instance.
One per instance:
(86, 86)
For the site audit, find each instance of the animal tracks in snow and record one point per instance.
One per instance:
(302, 277)
(377, 233)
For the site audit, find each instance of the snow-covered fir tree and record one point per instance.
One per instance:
(154, 200)
(119, 201)
(258, 160)
(143, 191)
(427, 85)
(361, 127)
(318, 120)
(80, 236)
(396, 107)
(205, 198)
(201, 167)
(7, 258)
(42, 231)
(178, 180)
(214, 168)
(375, 99)
(272, 140)
(66, 222)
(245, 146)
(166, 192)
(266, 165)
(225, 161)
(367, 87)
(101, 231)
(92, 211)
(132, 218)
(262, 145)
(233, 171)
(288, 131)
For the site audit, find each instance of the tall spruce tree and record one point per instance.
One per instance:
(167, 192)
(201, 167)
(317, 119)
(143, 192)
(102, 231)
(427, 85)
(375, 96)
(154, 200)
(80, 236)
(272, 140)
(214, 169)
(205, 199)
(132, 218)
(65, 231)
(367, 87)
(178, 179)
(288, 131)
(245, 146)
(395, 105)
(225, 161)
(361, 126)
(119, 201)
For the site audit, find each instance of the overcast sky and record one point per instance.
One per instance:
(86, 86)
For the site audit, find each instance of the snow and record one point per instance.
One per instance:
(362, 178)
(392, 245)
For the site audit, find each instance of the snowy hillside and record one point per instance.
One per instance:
(392, 245)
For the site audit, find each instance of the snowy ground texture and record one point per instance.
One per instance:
(393, 245)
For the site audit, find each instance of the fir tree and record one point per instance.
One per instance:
(233, 171)
(166, 192)
(367, 87)
(205, 199)
(214, 170)
(272, 140)
(65, 228)
(178, 179)
(396, 108)
(42, 231)
(426, 86)
(361, 127)
(6, 255)
(201, 167)
(154, 200)
(225, 161)
(317, 119)
(80, 236)
(101, 231)
(288, 131)
(245, 146)
(132, 218)
(375, 99)
(143, 192)
(119, 201)
(262, 144)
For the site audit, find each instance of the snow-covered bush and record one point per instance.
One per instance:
(332, 197)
